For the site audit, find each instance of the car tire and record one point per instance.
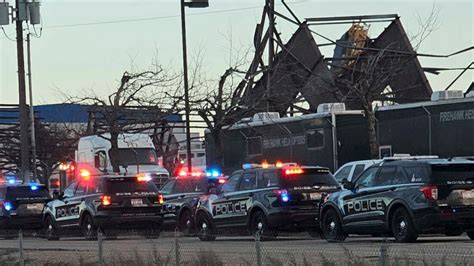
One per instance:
(470, 234)
(205, 228)
(259, 224)
(89, 229)
(402, 226)
(50, 230)
(332, 227)
(185, 223)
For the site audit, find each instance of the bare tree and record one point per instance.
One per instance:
(140, 103)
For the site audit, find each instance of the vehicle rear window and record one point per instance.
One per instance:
(128, 185)
(27, 192)
(190, 185)
(417, 173)
(453, 173)
(310, 177)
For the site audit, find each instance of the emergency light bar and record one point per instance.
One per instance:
(264, 165)
(404, 157)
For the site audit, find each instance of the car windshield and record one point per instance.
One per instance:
(138, 156)
(129, 185)
(310, 177)
(27, 192)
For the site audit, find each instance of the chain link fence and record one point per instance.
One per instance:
(172, 248)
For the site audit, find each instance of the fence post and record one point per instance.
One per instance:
(176, 247)
(258, 249)
(20, 246)
(100, 251)
(383, 255)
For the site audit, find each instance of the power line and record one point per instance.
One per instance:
(158, 18)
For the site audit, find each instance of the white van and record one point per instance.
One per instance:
(353, 169)
(137, 155)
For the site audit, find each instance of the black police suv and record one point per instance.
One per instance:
(404, 198)
(181, 195)
(109, 203)
(21, 206)
(265, 200)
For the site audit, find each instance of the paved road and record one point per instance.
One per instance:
(432, 250)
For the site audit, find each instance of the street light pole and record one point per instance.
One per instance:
(192, 4)
(186, 88)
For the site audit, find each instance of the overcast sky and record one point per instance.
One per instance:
(71, 57)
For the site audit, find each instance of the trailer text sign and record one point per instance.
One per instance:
(459, 115)
(283, 142)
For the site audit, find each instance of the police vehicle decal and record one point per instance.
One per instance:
(366, 205)
(67, 211)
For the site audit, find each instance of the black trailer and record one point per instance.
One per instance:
(325, 139)
(444, 128)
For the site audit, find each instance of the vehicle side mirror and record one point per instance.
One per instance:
(347, 184)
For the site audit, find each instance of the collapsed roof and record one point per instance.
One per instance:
(300, 71)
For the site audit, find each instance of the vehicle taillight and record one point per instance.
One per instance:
(430, 192)
(161, 199)
(106, 200)
(283, 194)
(221, 181)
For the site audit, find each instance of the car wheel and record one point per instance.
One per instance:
(470, 234)
(185, 224)
(260, 225)
(89, 230)
(50, 230)
(403, 228)
(205, 228)
(332, 227)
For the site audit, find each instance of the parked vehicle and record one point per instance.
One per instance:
(136, 151)
(404, 197)
(351, 170)
(265, 199)
(181, 195)
(109, 203)
(329, 138)
(21, 206)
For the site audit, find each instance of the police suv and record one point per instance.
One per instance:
(21, 206)
(265, 199)
(404, 197)
(181, 194)
(110, 203)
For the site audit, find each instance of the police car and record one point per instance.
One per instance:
(108, 203)
(181, 194)
(404, 197)
(21, 205)
(265, 199)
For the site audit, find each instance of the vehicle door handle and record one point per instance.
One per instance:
(228, 197)
(251, 194)
(182, 196)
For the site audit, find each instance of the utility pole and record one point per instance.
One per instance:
(24, 142)
(32, 111)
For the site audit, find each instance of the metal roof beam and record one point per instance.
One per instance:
(352, 18)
